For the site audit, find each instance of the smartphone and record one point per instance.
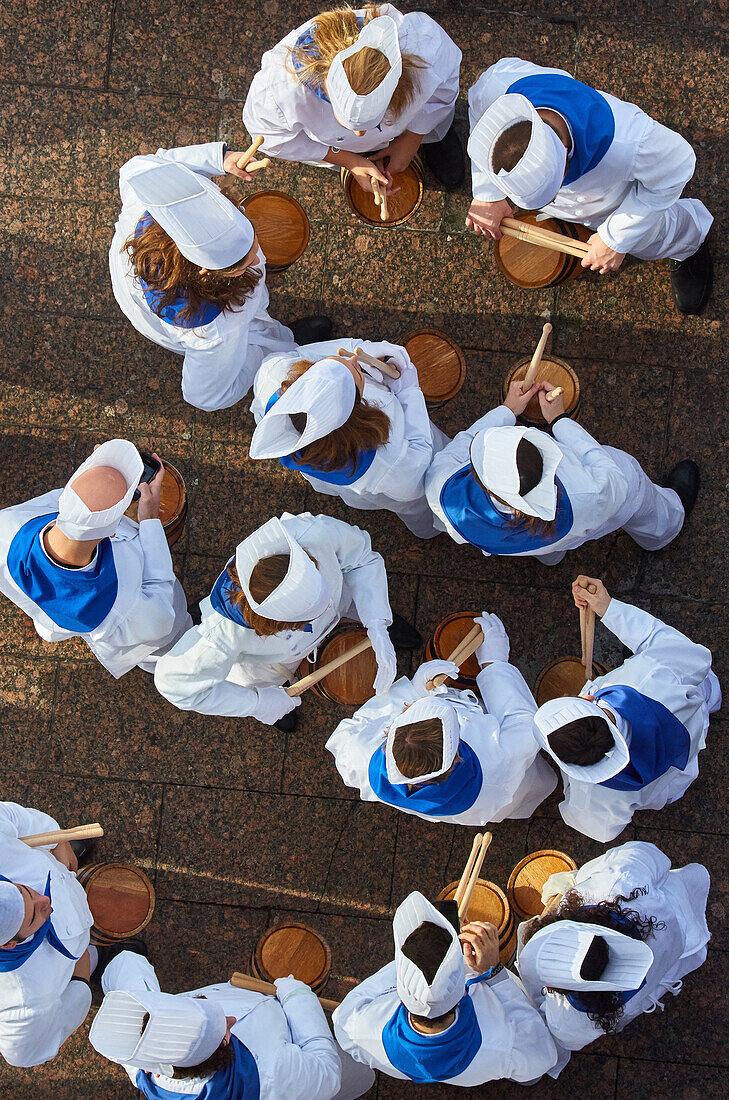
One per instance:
(151, 469)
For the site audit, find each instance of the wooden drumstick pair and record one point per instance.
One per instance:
(79, 832)
(535, 234)
(246, 162)
(471, 871)
(465, 649)
(379, 364)
(587, 632)
(536, 360)
(257, 985)
(380, 199)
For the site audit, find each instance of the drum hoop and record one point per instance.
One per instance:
(447, 395)
(284, 926)
(347, 182)
(88, 874)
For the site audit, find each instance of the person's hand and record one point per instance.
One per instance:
(599, 600)
(601, 257)
(364, 171)
(428, 671)
(518, 398)
(384, 655)
(550, 409)
(230, 165)
(486, 217)
(149, 494)
(273, 703)
(65, 854)
(396, 156)
(495, 644)
(291, 987)
(480, 945)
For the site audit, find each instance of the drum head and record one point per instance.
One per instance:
(172, 497)
(294, 949)
(448, 634)
(352, 683)
(529, 265)
(529, 876)
(439, 362)
(121, 899)
(564, 677)
(401, 206)
(281, 225)
(488, 903)
(549, 370)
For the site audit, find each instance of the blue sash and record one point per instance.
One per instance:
(454, 795)
(239, 1081)
(589, 115)
(307, 39)
(471, 512)
(344, 476)
(75, 599)
(429, 1058)
(14, 957)
(221, 602)
(658, 741)
(620, 924)
(171, 312)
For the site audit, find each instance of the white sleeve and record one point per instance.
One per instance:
(444, 57)
(355, 739)
(20, 821)
(644, 633)
(192, 676)
(609, 486)
(621, 869)
(533, 1051)
(351, 1017)
(508, 699)
(310, 1064)
(364, 569)
(38, 1036)
(263, 115)
(404, 480)
(216, 374)
(152, 617)
(206, 159)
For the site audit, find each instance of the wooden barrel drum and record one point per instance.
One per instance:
(121, 900)
(490, 903)
(352, 683)
(531, 266)
(293, 948)
(553, 370)
(446, 637)
(440, 364)
(524, 889)
(172, 504)
(401, 206)
(281, 226)
(563, 677)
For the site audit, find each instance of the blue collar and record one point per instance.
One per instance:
(171, 312)
(429, 1058)
(222, 603)
(658, 741)
(588, 113)
(74, 599)
(307, 39)
(453, 796)
(344, 476)
(471, 512)
(14, 958)
(239, 1081)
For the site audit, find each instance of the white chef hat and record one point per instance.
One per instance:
(75, 520)
(326, 393)
(557, 952)
(556, 713)
(449, 983)
(181, 1031)
(302, 595)
(493, 455)
(12, 911)
(535, 180)
(430, 706)
(208, 229)
(360, 112)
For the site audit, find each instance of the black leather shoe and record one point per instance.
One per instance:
(107, 952)
(446, 160)
(82, 850)
(309, 330)
(193, 610)
(691, 280)
(685, 479)
(288, 723)
(402, 634)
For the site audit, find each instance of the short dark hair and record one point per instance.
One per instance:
(582, 742)
(417, 747)
(529, 466)
(299, 421)
(595, 961)
(510, 146)
(427, 946)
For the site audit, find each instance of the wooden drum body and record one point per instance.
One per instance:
(121, 900)
(172, 504)
(281, 226)
(352, 683)
(401, 206)
(531, 266)
(446, 637)
(563, 677)
(524, 889)
(440, 364)
(296, 949)
(553, 370)
(490, 903)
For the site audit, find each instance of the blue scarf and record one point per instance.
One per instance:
(429, 1058)
(454, 795)
(171, 313)
(14, 958)
(588, 113)
(475, 518)
(344, 476)
(307, 40)
(75, 599)
(620, 924)
(221, 602)
(239, 1081)
(658, 741)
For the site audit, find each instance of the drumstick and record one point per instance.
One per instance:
(314, 677)
(79, 832)
(377, 194)
(587, 632)
(537, 357)
(390, 371)
(384, 213)
(460, 655)
(554, 393)
(257, 165)
(511, 227)
(250, 152)
(466, 898)
(463, 881)
(245, 981)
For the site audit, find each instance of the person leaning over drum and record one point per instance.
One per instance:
(631, 740)
(361, 90)
(513, 490)
(289, 583)
(188, 272)
(442, 754)
(73, 562)
(618, 935)
(548, 142)
(366, 439)
(445, 1009)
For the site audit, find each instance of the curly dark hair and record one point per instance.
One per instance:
(605, 1007)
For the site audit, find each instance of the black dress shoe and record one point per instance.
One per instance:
(288, 723)
(82, 850)
(402, 634)
(107, 952)
(309, 330)
(193, 610)
(685, 479)
(691, 280)
(446, 160)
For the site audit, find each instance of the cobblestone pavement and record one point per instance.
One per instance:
(238, 824)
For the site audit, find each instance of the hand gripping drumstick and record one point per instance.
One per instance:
(245, 981)
(250, 152)
(587, 632)
(376, 193)
(314, 677)
(471, 885)
(537, 357)
(257, 165)
(554, 393)
(386, 368)
(80, 832)
(465, 649)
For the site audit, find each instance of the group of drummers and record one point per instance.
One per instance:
(466, 999)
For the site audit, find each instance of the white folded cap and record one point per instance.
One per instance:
(208, 229)
(556, 713)
(449, 983)
(430, 706)
(558, 951)
(302, 595)
(535, 180)
(326, 393)
(181, 1031)
(493, 454)
(360, 112)
(75, 520)
(12, 911)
